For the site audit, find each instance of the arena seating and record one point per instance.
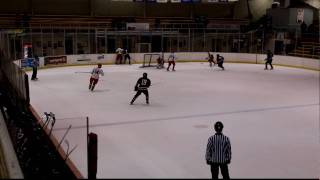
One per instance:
(309, 49)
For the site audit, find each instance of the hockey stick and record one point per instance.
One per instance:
(70, 126)
(81, 72)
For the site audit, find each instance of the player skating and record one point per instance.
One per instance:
(142, 86)
(171, 60)
(220, 60)
(269, 60)
(96, 72)
(211, 59)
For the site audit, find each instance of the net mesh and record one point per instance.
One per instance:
(150, 60)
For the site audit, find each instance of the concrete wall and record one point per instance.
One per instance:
(112, 8)
(314, 3)
(258, 8)
(115, 8)
(299, 62)
(56, 7)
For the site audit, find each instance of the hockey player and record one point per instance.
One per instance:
(220, 60)
(126, 56)
(171, 60)
(119, 55)
(96, 72)
(269, 60)
(142, 86)
(160, 61)
(35, 64)
(211, 59)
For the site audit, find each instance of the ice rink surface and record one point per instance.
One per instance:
(271, 118)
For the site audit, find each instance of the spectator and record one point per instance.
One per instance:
(311, 30)
(218, 153)
(303, 28)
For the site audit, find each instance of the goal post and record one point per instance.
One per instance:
(150, 59)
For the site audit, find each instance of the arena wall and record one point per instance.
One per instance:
(299, 62)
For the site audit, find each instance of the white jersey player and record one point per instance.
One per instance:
(171, 60)
(96, 72)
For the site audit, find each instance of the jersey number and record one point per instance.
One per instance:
(144, 82)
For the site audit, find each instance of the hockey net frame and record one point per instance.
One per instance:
(150, 60)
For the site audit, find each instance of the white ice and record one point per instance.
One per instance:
(271, 117)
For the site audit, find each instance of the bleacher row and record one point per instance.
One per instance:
(307, 49)
(14, 22)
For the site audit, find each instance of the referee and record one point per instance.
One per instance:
(218, 152)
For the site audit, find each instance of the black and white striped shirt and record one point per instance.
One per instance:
(218, 149)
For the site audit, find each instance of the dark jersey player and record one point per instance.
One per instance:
(142, 86)
(220, 60)
(269, 60)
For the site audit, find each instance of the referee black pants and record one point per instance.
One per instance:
(215, 170)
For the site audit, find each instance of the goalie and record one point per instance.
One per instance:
(142, 86)
(160, 62)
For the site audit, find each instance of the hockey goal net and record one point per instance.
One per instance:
(150, 60)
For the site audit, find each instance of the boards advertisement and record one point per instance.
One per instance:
(55, 60)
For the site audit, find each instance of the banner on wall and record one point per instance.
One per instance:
(300, 16)
(55, 60)
(83, 57)
(27, 62)
(100, 57)
(217, 1)
(162, 1)
(211, 1)
(138, 26)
